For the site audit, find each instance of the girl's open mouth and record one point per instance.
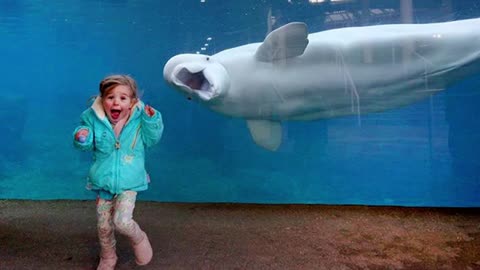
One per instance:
(115, 114)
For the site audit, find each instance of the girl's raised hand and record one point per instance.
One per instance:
(149, 110)
(81, 135)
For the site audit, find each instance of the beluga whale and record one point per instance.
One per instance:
(293, 75)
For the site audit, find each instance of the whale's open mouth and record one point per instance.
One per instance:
(197, 82)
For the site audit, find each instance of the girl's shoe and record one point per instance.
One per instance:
(108, 260)
(143, 251)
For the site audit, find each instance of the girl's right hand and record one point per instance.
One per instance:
(81, 135)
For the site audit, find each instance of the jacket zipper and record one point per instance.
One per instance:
(117, 162)
(117, 149)
(117, 152)
(117, 146)
(136, 136)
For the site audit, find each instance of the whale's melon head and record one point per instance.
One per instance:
(197, 76)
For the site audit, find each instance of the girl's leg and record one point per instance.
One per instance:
(124, 224)
(106, 234)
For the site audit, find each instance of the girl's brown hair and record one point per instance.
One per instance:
(110, 82)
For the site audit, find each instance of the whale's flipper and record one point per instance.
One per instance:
(266, 133)
(287, 41)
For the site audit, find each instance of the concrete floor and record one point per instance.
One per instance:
(61, 235)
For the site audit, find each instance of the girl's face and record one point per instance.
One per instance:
(117, 103)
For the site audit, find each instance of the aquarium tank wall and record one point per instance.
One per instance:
(417, 152)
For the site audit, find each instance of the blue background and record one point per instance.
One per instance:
(54, 53)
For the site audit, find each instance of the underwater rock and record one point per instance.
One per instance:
(292, 75)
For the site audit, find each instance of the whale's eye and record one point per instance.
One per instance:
(208, 58)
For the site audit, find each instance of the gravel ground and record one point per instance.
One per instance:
(62, 235)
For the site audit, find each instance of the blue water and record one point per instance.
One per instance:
(54, 53)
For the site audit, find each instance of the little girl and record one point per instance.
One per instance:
(118, 127)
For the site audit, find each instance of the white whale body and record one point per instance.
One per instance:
(292, 75)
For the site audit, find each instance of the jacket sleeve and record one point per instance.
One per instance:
(85, 123)
(152, 128)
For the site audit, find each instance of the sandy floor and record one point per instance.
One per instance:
(61, 235)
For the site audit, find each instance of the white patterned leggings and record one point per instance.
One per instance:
(117, 215)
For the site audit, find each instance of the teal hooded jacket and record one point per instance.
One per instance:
(119, 163)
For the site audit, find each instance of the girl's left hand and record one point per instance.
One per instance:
(149, 110)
